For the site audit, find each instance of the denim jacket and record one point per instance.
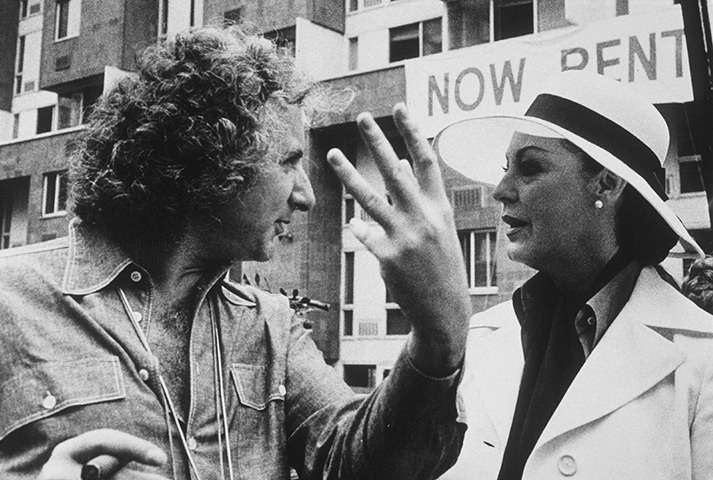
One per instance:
(71, 361)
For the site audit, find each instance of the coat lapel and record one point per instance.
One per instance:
(496, 367)
(629, 360)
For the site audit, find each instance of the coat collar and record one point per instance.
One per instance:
(630, 358)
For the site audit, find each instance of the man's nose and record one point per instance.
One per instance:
(302, 197)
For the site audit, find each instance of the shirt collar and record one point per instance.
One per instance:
(93, 261)
(608, 302)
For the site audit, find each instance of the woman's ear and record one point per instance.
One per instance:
(608, 186)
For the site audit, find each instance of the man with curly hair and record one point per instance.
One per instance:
(126, 353)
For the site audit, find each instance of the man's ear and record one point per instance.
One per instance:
(608, 186)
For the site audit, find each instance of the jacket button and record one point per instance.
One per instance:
(192, 444)
(135, 276)
(144, 374)
(567, 465)
(49, 402)
(281, 390)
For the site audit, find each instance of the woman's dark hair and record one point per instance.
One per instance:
(187, 134)
(641, 232)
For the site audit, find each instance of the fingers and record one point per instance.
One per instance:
(426, 168)
(103, 466)
(401, 186)
(370, 200)
(127, 448)
(103, 452)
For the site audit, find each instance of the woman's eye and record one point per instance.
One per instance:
(529, 167)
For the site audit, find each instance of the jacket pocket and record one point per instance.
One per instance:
(257, 385)
(46, 389)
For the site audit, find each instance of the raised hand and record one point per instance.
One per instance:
(110, 449)
(415, 241)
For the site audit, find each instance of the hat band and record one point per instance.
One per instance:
(604, 133)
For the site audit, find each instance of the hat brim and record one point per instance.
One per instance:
(476, 148)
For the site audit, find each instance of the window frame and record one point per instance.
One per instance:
(491, 287)
(20, 63)
(57, 177)
(72, 17)
(688, 161)
(420, 35)
(52, 122)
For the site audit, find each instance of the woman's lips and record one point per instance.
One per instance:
(514, 224)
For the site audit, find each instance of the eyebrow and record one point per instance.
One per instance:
(523, 150)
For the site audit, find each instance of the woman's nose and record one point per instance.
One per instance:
(505, 192)
(302, 197)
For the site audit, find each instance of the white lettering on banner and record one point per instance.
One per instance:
(647, 51)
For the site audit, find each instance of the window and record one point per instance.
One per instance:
(54, 193)
(353, 53)
(349, 208)
(348, 323)
(479, 254)
(513, 18)
(348, 278)
(353, 5)
(163, 19)
(284, 38)
(16, 125)
(73, 109)
(414, 40)
(691, 177)
(19, 64)
(45, 117)
(5, 220)
(69, 110)
(67, 14)
(23, 8)
(362, 378)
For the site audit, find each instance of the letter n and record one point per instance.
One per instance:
(441, 96)
(635, 50)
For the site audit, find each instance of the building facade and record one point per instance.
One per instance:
(447, 59)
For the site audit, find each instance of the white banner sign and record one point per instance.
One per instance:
(648, 51)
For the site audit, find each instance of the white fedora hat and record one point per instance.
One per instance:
(607, 120)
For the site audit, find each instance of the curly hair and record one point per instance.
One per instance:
(187, 134)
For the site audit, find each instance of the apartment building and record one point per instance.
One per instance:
(446, 58)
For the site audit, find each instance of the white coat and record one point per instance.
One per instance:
(641, 407)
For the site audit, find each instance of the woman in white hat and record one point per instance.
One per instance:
(599, 367)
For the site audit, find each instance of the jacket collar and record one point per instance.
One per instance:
(93, 261)
(630, 358)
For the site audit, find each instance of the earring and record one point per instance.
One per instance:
(598, 204)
